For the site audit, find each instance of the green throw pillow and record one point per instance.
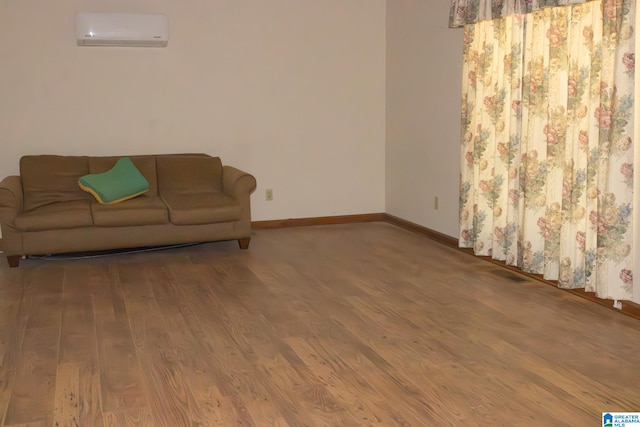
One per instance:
(123, 181)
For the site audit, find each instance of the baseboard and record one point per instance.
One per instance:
(432, 234)
(321, 220)
(628, 307)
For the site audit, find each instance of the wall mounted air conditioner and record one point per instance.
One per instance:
(122, 29)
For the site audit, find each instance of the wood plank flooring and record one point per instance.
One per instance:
(340, 325)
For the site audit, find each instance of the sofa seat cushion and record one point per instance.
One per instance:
(201, 208)
(142, 210)
(60, 215)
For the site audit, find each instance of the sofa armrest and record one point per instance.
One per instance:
(237, 183)
(10, 198)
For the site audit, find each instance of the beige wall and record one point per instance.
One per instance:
(424, 66)
(292, 91)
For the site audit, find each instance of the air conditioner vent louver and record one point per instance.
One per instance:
(122, 29)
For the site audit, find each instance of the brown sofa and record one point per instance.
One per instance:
(191, 198)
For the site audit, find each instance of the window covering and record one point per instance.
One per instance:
(464, 12)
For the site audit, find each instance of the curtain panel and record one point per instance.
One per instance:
(547, 150)
(464, 12)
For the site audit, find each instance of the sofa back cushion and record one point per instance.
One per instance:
(189, 173)
(49, 179)
(145, 164)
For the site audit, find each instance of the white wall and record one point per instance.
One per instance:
(292, 91)
(424, 68)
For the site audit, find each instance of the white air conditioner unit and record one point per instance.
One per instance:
(122, 29)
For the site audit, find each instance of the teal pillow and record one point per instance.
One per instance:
(123, 181)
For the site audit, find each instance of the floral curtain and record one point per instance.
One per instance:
(471, 11)
(547, 151)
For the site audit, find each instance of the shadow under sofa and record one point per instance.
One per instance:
(191, 198)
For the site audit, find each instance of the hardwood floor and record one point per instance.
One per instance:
(341, 325)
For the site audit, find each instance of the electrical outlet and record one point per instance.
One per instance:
(268, 194)
(435, 203)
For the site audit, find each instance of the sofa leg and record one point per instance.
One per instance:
(13, 260)
(244, 242)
